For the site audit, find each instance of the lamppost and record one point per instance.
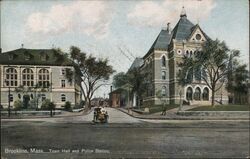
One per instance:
(8, 97)
(182, 92)
(181, 101)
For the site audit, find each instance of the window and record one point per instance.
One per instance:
(197, 94)
(63, 97)
(11, 97)
(11, 77)
(187, 53)
(205, 94)
(163, 75)
(197, 74)
(190, 75)
(189, 93)
(163, 91)
(163, 61)
(27, 57)
(63, 71)
(198, 36)
(43, 78)
(43, 96)
(11, 57)
(179, 51)
(28, 77)
(43, 57)
(63, 83)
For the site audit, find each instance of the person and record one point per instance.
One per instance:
(96, 111)
(164, 110)
(104, 111)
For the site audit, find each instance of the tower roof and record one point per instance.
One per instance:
(183, 29)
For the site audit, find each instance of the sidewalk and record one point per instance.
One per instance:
(63, 114)
(172, 115)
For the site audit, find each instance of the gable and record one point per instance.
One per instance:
(197, 35)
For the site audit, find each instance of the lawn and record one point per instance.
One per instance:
(158, 108)
(222, 108)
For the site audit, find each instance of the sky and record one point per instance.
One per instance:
(118, 30)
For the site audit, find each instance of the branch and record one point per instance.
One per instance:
(220, 86)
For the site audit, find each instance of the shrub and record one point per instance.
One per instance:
(67, 106)
(18, 104)
(45, 104)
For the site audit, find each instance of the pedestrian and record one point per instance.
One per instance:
(164, 110)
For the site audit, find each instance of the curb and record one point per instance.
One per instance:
(181, 118)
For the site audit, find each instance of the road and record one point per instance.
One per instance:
(124, 136)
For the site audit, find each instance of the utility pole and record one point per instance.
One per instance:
(8, 97)
(9, 103)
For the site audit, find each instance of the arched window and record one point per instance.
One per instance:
(187, 53)
(197, 94)
(205, 94)
(28, 77)
(163, 61)
(43, 78)
(163, 91)
(189, 93)
(11, 77)
(163, 75)
(191, 53)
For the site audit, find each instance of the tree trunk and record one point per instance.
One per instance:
(51, 113)
(87, 104)
(213, 92)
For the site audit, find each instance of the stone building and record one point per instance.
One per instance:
(38, 75)
(161, 63)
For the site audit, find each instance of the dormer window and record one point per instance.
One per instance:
(11, 57)
(43, 57)
(27, 57)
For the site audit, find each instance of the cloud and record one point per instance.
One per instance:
(88, 17)
(158, 13)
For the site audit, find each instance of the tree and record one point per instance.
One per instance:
(120, 79)
(163, 100)
(237, 82)
(67, 106)
(18, 104)
(134, 78)
(48, 105)
(89, 72)
(212, 64)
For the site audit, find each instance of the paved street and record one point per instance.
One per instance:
(123, 136)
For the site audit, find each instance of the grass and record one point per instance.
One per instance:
(158, 108)
(222, 108)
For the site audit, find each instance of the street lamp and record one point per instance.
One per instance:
(8, 97)
(182, 92)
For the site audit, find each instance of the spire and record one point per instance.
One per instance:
(183, 12)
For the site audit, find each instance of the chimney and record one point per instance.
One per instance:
(168, 28)
(22, 45)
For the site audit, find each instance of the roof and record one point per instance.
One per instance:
(137, 63)
(182, 31)
(161, 43)
(25, 56)
(117, 91)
